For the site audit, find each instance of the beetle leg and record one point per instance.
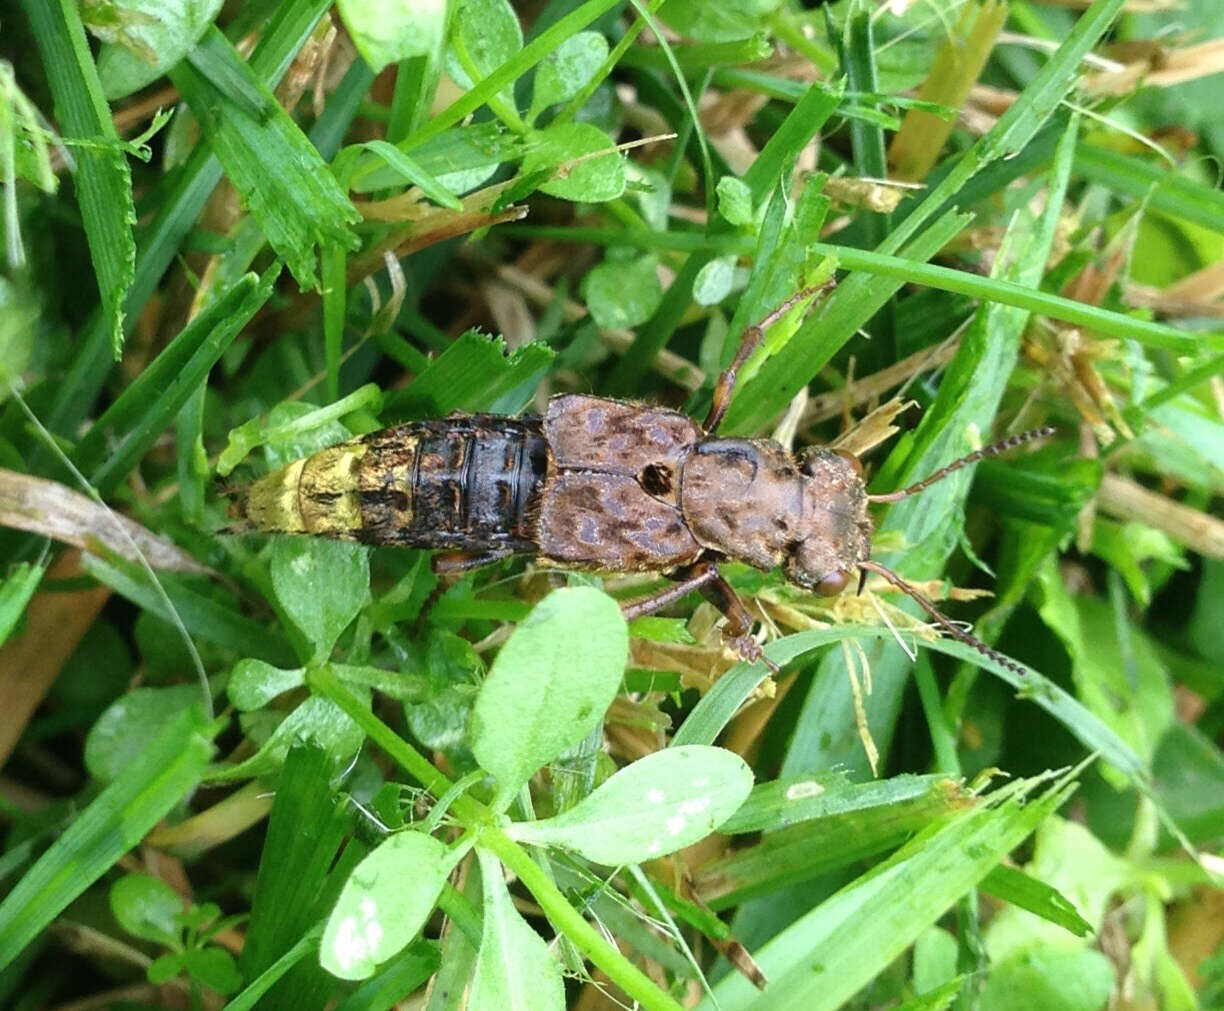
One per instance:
(694, 578)
(704, 577)
(463, 561)
(749, 340)
(737, 631)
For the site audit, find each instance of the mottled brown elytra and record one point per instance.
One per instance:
(603, 485)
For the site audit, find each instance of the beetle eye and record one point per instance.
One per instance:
(832, 584)
(851, 459)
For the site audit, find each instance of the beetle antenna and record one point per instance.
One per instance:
(943, 620)
(994, 449)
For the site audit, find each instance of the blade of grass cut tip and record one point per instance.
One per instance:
(810, 965)
(472, 374)
(117, 440)
(173, 219)
(102, 179)
(163, 772)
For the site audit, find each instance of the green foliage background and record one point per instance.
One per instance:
(251, 771)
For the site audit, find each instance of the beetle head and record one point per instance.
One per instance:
(834, 534)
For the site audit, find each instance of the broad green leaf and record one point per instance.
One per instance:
(714, 281)
(515, 971)
(385, 903)
(659, 804)
(148, 908)
(321, 584)
(254, 683)
(160, 775)
(550, 684)
(212, 967)
(735, 201)
(484, 35)
(316, 721)
(581, 161)
(622, 293)
(387, 31)
(123, 731)
(718, 20)
(567, 70)
(142, 39)
(1051, 978)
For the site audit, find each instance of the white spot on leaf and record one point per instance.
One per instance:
(655, 795)
(675, 824)
(800, 791)
(696, 805)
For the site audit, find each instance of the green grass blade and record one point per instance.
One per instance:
(825, 332)
(103, 180)
(124, 433)
(810, 965)
(174, 218)
(1163, 190)
(473, 374)
(306, 828)
(1101, 321)
(287, 186)
(164, 772)
(202, 616)
(708, 718)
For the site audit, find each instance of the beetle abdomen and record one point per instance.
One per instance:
(467, 482)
